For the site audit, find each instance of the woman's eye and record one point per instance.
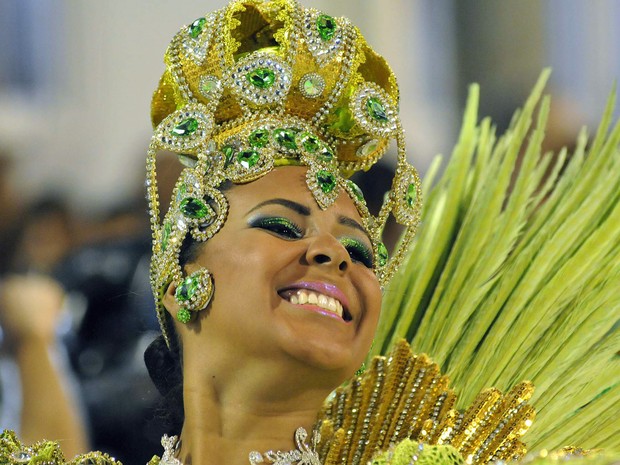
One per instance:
(358, 251)
(279, 226)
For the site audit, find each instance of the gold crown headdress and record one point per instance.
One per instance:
(259, 84)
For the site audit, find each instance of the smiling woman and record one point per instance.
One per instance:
(296, 300)
(268, 268)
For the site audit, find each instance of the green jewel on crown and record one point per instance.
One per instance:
(185, 128)
(166, 235)
(196, 28)
(326, 155)
(382, 255)
(259, 138)
(194, 208)
(262, 78)
(326, 25)
(248, 158)
(326, 181)
(286, 138)
(310, 142)
(356, 190)
(411, 195)
(376, 110)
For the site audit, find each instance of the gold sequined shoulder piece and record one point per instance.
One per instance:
(13, 452)
(405, 396)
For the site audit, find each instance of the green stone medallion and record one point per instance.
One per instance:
(196, 28)
(326, 25)
(185, 128)
(263, 78)
(326, 181)
(382, 254)
(259, 138)
(194, 208)
(187, 289)
(376, 110)
(411, 195)
(248, 158)
(286, 138)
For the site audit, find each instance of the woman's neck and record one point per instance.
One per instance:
(225, 421)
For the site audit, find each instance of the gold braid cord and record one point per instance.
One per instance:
(405, 396)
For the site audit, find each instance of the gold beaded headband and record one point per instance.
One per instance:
(259, 84)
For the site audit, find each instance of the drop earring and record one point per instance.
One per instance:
(193, 294)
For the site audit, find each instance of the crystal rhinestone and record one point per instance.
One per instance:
(356, 190)
(229, 152)
(248, 158)
(21, 456)
(310, 142)
(368, 148)
(181, 191)
(208, 84)
(255, 457)
(311, 85)
(259, 138)
(382, 254)
(166, 235)
(187, 160)
(286, 138)
(325, 155)
(262, 78)
(411, 196)
(376, 110)
(194, 208)
(184, 315)
(326, 180)
(187, 127)
(326, 25)
(187, 289)
(195, 29)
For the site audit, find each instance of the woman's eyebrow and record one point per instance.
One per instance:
(296, 207)
(346, 221)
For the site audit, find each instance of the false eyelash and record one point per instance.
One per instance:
(282, 227)
(358, 251)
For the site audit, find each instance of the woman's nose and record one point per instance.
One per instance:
(326, 250)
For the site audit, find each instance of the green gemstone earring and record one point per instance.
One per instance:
(193, 294)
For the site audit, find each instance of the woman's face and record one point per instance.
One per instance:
(291, 280)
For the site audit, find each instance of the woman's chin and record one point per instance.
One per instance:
(326, 358)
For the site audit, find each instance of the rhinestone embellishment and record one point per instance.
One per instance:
(326, 26)
(374, 111)
(261, 79)
(324, 35)
(311, 85)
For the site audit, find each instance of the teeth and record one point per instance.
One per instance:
(302, 297)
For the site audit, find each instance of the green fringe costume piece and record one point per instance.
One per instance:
(515, 274)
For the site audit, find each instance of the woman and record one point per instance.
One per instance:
(268, 268)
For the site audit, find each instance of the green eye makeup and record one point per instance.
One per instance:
(358, 251)
(279, 226)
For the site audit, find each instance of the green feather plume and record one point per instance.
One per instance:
(515, 273)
